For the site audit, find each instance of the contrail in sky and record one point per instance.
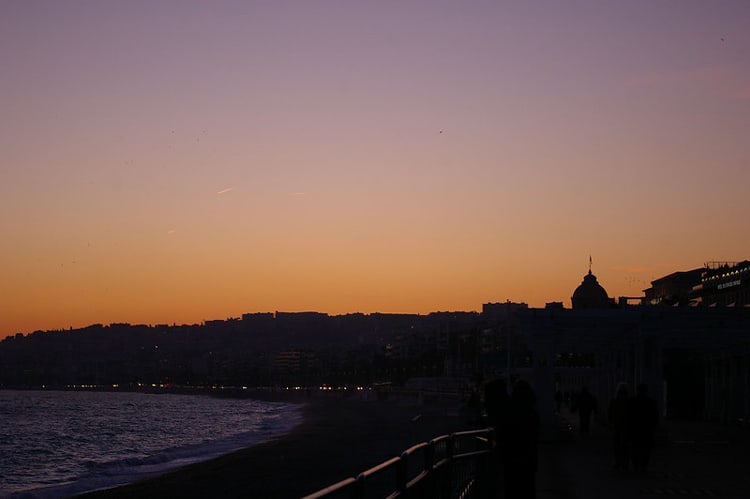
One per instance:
(224, 191)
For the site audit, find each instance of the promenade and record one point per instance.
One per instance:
(691, 459)
(341, 438)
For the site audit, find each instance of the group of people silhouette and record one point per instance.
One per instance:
(632, 419)
(515, 419)
(514, 416)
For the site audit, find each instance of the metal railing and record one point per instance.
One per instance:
(455, 466)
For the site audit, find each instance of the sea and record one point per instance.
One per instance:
(62, 443)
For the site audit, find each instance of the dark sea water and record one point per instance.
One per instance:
(57, 444)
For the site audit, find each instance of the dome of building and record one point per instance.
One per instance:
(590, 294)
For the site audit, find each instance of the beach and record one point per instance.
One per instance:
(338, 438)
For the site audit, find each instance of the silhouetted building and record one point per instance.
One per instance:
(695, 360)
(724, 284)
(675, 289)
(590, 294)
(717, 284)
(499, 312)
(293, 361)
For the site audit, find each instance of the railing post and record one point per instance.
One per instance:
(358, 491)
(485, 465)
(402, 471)
(433, 477)
(450, 451)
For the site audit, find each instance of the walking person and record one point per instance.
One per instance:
(619, 419)
(497, 406)
(521, 460)
(644, 418)
(586, 405)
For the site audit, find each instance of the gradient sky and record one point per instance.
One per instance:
(178, 161)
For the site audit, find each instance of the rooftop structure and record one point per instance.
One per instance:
(590, 294)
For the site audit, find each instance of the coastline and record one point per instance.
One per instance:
(338, 438)
(59, 444)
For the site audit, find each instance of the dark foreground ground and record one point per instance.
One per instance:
(338, 439)
(692, 459)
(341, 438)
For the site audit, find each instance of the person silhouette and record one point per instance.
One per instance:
(644, 418)
(497, 405)
(586, 404)
(522, 433)
(619, 419)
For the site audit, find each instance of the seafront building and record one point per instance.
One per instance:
(693, 354)
(716, 284)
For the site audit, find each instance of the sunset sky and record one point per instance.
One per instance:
(182, 161)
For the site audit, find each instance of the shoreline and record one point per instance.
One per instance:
(62, 444)
(337, 438)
